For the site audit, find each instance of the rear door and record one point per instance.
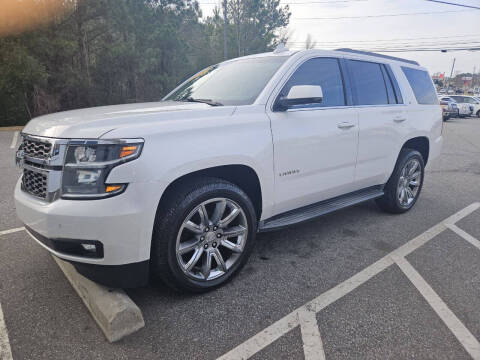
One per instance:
(382, 120)
(315, 145)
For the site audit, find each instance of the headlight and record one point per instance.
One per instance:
(88, 163)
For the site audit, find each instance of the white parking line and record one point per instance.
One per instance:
(305, 316)
(312, 341)
(5, 350)
(5, 232)
(464, 235)
(290, 321)
(465, 337)
(14, 140)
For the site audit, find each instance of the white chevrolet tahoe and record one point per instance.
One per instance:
(178, 189)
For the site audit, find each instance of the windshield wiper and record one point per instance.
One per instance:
(203, 101)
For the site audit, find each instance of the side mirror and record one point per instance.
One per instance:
(300, 95)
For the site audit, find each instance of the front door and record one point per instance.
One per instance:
(315, 145)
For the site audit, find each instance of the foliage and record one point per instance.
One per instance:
(100, 52)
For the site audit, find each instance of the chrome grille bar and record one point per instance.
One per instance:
(36, 148)
(42, 161)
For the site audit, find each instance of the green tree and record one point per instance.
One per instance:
(255, 24)
(100, 52)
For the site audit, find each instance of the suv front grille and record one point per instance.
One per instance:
(41, 160)
(35, 183)
(37, 149)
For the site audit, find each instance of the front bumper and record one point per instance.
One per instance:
(122, 224)
(121, 227)
(116, 276)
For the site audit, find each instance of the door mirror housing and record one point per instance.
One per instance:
(300, 95)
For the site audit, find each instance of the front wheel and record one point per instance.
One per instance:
(403, 188)
(203, 235)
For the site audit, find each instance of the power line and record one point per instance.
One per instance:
(378, 16)
(320, 2)
(455, 4)
(297, 3)
(397, 39)
(432, 49)
(476, 48)
(463, 42)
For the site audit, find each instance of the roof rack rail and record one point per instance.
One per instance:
(377, 55)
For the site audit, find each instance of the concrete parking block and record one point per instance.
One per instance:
(113, 310)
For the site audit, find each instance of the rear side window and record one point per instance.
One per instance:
(464, 99)
(422, 86)
(371, 83)
(319, 71)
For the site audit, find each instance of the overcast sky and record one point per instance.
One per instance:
(343, 23)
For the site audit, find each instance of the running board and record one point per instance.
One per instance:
(321, 208)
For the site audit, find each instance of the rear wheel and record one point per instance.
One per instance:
(478, 113)
(203, 235)
(403, 188)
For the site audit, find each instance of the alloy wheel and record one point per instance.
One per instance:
(211, 239)
(409, 182)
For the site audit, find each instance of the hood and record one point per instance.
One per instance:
(96, 121)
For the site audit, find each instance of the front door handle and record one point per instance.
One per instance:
(399, 119)
(345, 125)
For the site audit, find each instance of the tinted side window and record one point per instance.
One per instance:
(422, 86)
(368, 83)
(319, 71)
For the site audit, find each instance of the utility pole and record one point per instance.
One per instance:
(225, 29)
(451, 74)
(473, 79)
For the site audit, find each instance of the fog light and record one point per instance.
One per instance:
(89, 247)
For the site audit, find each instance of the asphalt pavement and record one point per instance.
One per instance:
(392, 312)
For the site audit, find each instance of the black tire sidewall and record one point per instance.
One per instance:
(406, 156)
(175, 218)
(389, 201)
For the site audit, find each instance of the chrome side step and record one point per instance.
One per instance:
(318, 209)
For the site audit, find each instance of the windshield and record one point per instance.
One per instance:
(237, 82)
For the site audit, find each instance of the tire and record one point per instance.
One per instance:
(172, 235)
(478, 113)
(393, 201)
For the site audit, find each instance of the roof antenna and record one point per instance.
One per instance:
(280, 48)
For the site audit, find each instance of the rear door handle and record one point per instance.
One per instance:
(399, 119)
(345, 125)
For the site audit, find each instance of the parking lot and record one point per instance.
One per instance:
(358, 283)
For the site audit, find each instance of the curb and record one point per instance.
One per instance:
(115, 313)
(11, 128)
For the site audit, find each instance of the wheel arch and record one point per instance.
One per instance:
(244, 176)
(419, 143)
